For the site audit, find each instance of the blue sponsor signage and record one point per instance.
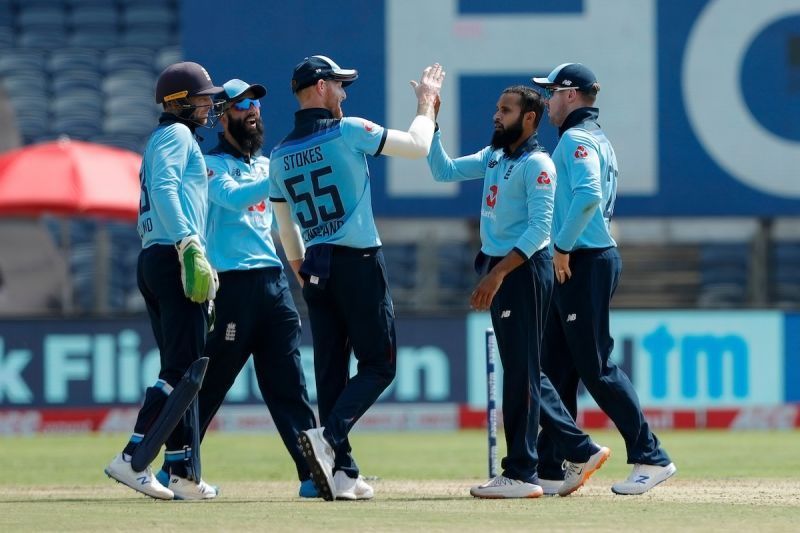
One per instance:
(77, 363)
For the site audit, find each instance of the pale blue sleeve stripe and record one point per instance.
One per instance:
(169, 164)
(469, 167)
(540, 210)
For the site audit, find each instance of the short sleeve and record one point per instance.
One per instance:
(363, 135)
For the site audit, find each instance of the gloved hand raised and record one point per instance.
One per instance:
(197, 276)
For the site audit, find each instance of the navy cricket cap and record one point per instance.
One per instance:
(316, 68)
(571, 75)
(184, 79)
(236, 88)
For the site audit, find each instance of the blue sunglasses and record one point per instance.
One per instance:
(247, 103)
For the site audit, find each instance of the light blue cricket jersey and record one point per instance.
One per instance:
(320, 168)
(174, 198)
(587, 188)
(239, 217)
(517, 203)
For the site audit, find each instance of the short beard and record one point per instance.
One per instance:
(508, 136)
(249, 142)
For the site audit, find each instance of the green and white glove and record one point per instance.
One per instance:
(197, 276)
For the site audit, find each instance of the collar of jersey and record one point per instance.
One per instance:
(168, 118)
(530, 145)
(309, 124)
(579, 116)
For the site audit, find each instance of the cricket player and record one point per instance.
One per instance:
(255, 312)
(577, 344)
(176, 281)
(516, 284)
(319, 173)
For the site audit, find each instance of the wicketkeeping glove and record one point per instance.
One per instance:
(197, 276)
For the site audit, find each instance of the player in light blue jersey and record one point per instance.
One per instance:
(519, 180)
(578, 344)
(176, 282)
(319, 172)
(255, 312)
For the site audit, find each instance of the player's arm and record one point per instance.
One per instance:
(540, 186)
(468, 167)
(168, 166)
(227, 192)
(415, 143)
(288, 230)
(197, 276)
(291, 240)
(583, 168)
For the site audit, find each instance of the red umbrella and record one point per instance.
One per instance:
(71, 178)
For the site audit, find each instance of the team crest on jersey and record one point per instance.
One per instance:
(543, 180)
(210, 172)
(369, 126)
(491, 200)
(261, 207)
(581, 152)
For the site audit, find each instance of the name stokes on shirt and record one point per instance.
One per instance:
(305, 157)
(317, 202)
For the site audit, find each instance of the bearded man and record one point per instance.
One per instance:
(255, 313)
(516, 269)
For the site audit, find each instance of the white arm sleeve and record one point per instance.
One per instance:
(412, 144)
(289, 231)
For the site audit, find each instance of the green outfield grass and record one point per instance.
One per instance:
(726, 480)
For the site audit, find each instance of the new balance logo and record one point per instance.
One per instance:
(642, 479)
(506, 313)
(572, 317)
(230, 332)
(142, 480)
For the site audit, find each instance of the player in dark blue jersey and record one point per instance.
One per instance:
(519, 181)
(319, 172)
(176, 281)
(577, 344)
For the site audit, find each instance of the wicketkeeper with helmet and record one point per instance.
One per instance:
(177, 281)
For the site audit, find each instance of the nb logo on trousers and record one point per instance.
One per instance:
(571, 317)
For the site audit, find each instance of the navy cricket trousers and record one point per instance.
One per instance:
(577, 347)
(351, 311)
(518, 313)
(179, 326)
(255, 314)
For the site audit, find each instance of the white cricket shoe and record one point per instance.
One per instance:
(186, 489)
(550, 486)
(144, 481)
(503, 487)
(643, 478)
(576, 474)
(348, 488)
(320, 457)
